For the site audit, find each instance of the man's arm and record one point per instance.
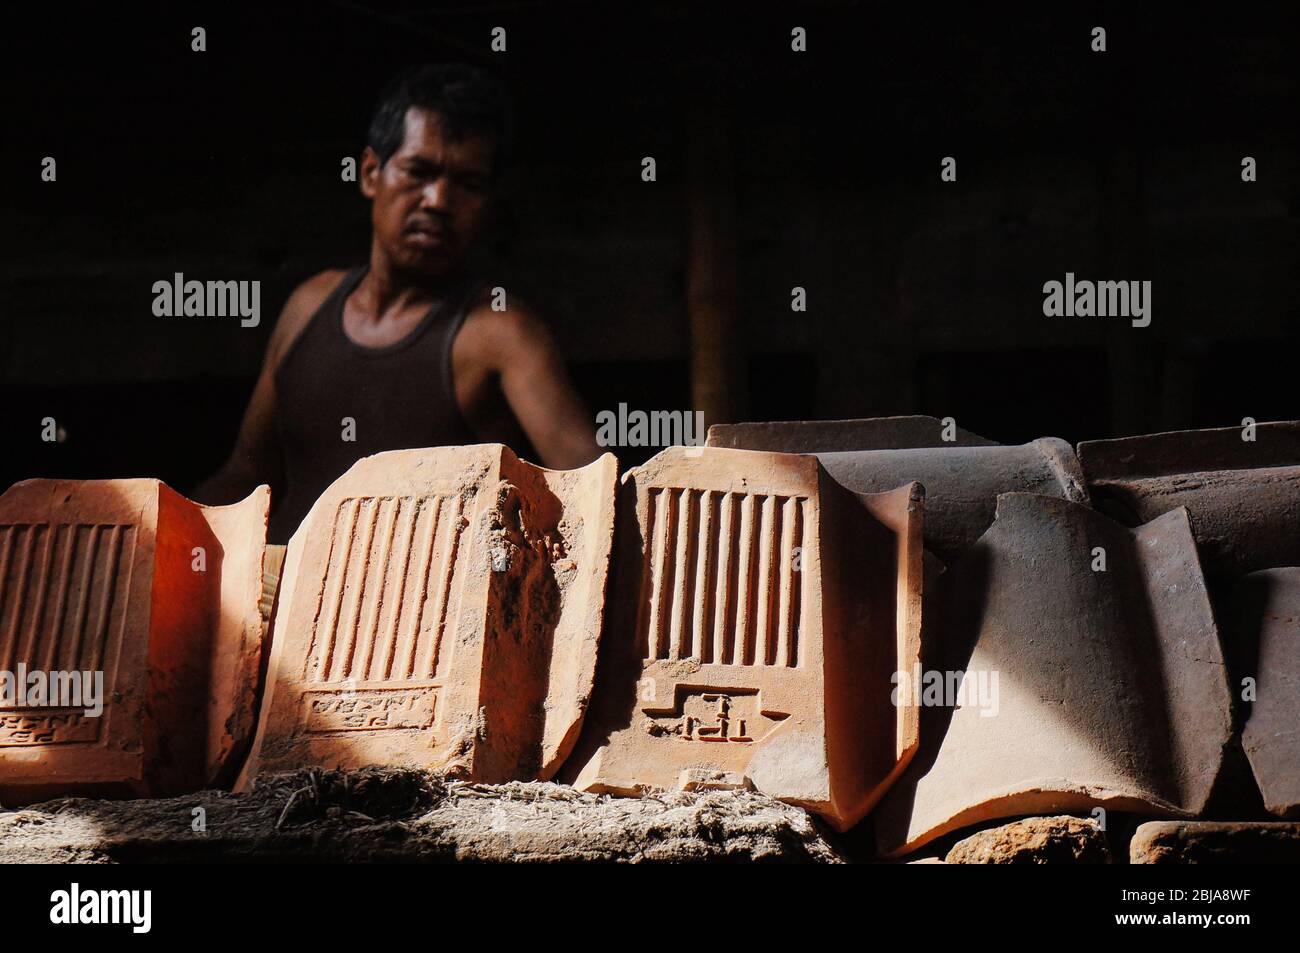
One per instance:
(256, 457)
(526, 360)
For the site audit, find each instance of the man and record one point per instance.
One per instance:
(408, 350)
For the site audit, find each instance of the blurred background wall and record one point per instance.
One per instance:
(817, 169)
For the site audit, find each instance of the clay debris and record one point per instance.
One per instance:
(440, 609)
(962, 476)
(1035, 840)
(1111, 688)
(758, 612)
(160, 594)
(414, 817)
(1243, 495)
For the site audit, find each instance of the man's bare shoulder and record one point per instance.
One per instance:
(305, 300)
(502, 328)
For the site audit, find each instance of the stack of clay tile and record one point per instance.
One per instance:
(443, 608)
(734, 615)
(1113, 689)
(1241, 487)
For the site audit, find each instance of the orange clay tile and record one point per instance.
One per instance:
(758, 613)
(157, 593)
(439, 608)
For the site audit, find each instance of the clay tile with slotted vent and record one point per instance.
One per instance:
(439, 609)
(758, 614)
(156, 594)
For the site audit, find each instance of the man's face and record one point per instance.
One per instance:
(430, 199)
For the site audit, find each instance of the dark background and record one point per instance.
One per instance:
(924, 296)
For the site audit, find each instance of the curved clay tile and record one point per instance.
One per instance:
(962, 477)
(1243, 494)
(1269, 605)
(1102, 686)
(827, 436)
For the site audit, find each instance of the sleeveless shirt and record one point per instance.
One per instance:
(400, 396)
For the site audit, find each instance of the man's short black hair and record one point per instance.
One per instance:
(470, 101)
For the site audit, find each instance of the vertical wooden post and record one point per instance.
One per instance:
(719, 382)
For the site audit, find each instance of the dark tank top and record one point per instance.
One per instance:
(400, 396)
